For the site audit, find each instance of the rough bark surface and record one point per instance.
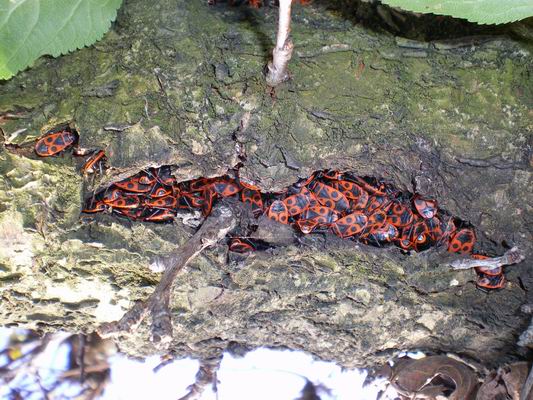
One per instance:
(178, 82)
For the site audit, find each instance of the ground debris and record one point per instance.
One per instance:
(506, 383)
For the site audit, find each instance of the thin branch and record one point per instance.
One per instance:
(512, 256)
(102, 367)
(222, 219)
(165, 360)
(98, 390)
(41, 387)
(81, 356)
(282, 53)
(207, 375)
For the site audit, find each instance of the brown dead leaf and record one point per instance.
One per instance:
(514, 376)
(433, 377)
(505, 383)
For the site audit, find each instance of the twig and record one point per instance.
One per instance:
(206, 375)
(98, 391)
(282, 53)
(102, 367)
(222, 219)
(513, 256)
(43, 390)
(165, 360)
(81, 356)
(495, 162)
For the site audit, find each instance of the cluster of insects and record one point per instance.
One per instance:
(363, 209)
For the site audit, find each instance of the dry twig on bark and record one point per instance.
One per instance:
(512, 256)
(282, 53)
(222, 219)
(206, 375)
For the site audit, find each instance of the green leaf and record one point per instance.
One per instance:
(32, 28)
(480, 11)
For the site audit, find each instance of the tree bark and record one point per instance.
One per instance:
(447, 117)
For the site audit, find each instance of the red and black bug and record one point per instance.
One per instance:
(134, 214)
(163, 215)
(377, 189)
(330, 197)
(305, 181)
(404, 241)
(383, 234)
(197, 185)
(168, 201)
(247, 185)
(225, 187)
(209, 195)
(400, 215)
(125, 202)
(147, 178)
(313, 202)
(94, 163)
(420, 236)
(320, 214)
(421, 242)
(132, 184)
(377, 202)
(188, 200)
(315, 217)
(426, 208)
(490, 271)
(112, 193)
(447, 227)
(350, 225)
(241, 245)
(254, 199)
(55, 142)
(434, 226)
(359, 204)
(377, 219)
(349, 189)
(330, 174)
(462, 242)
(306, 225)
(278, 212)
(94, 206)
(158, 190)
(296, 204)
(491, 282)
(356, 194)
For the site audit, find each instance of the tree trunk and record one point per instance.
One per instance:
(181, 85)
